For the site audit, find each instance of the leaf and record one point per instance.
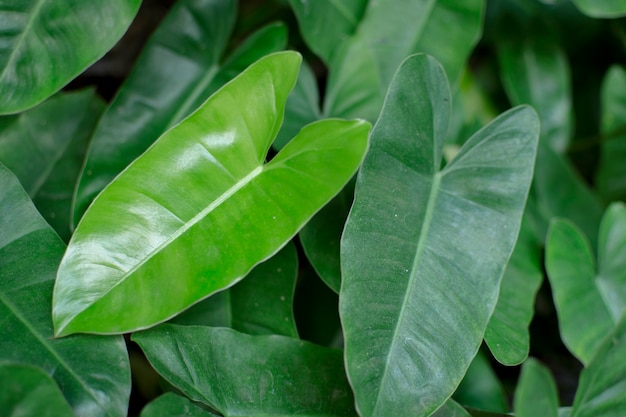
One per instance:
(260, 304)
(204, 205)
(93, 371)
(363, 66)
(451, 409)
(612, 259)
(242, 375)
(44, 46)
(507, 332)
(602, 386)
(155, 97)
(536, 394)
(584, 317)
(611, 175)
(480, 387)
(602, 8)
(29, 391)
(172, 405)
(424, 249)
(45, 147)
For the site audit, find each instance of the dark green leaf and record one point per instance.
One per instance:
(242, 375)
(480, 387)
(93, 371)
(451, 409)
(46, 43)
(198, 210)
(172, 405)
(424, 249)
(536, 394)
(612, 259)
(602, 8)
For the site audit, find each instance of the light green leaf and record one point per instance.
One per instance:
(45, 147)
(93, 371)
(536, 394)
(155, 97)
(480, 387)
(584, 317)
(507, 332)
(46, 43)
(611, 175)
(602, 8)
(602, 387)
(612, 259)
(451, 409)
(424, 249)
(29, 391)
(242, 375)
(260, 304)
(198, 210)
(172, 405)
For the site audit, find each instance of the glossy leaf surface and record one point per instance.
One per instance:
(45, 147)
(179, 68)
(536, 393)
(46, 43)
(29, 391)
(242, 375)
(260, 304)
(93, 371)
(602, 387)
(424, 249)
(200, 209)
(172, 405)
(602, 8)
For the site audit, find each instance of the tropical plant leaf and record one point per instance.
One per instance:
(451, 409)
(201, 206)
(260, 304)
(536, 394)
(93, 371)
(611, 175)
(480, 387)
(29, 391)
(45, 147)
(172, 405)
(243, 375)
(46, 43)
(602, 8)
(156, 96)
(612, 259)
(424, 249)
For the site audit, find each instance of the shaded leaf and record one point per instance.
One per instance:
(93, 371)
(424, 249)
(201, 206)
(29, 391)
(172, 405)
(451, 409)
(45, 147)
(480, 387)
(536, 394)
(602, 8)
(44, 46)
(242, 375)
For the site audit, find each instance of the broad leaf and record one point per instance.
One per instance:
(611, 176)
(45, 147)
(29, 391)
(602, 387)
(480, 387)
(198, 210)
(156, 96)
(46, 43)
(172, 405)
(424, 249)
(93, 371)
(536, 394)
(451, 409)
(260, 304)
(612, 259)
(242, 375)
(602, 8)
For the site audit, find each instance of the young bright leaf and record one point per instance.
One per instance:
(602, 8)
(198, 210)
(242, 375)
(93, 371)
(584, 317)
(29, 391)
(172, 405)
(424, 249)
(536, 394)
(45, 44)
(45, 147)
(179, 68)
(602, 387)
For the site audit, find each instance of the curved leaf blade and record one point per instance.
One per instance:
(602, 8)
(242, 375)
(536, 394)
(172, 405)
(612, 259)
(93, 371)
(46, 43)
(419, 238)
(219, 212)
(481, 388)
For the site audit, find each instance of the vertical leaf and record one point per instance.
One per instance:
(424, 249)
(536, 394)
(612, 259)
